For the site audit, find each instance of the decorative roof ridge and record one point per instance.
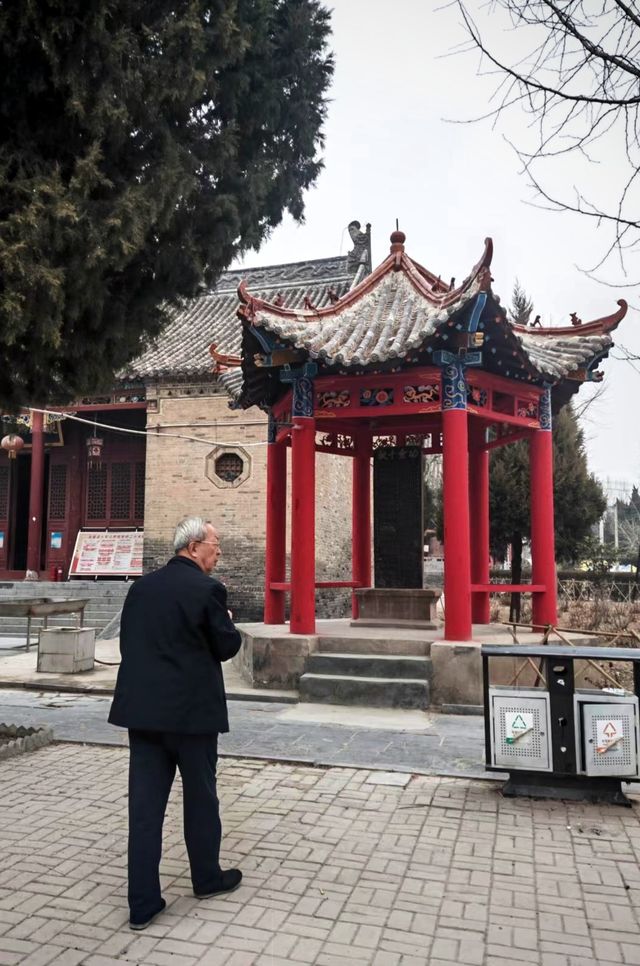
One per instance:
(303, 261)
(397, 260)
(223, 360)
(418, 275)
(596, 327)
(279, 284)
(251, 303)
(435, 280)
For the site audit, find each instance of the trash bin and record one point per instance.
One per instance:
(557, 741)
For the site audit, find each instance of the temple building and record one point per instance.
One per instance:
(69, 477)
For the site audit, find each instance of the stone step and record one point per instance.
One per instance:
(370, 692)
(99, 613)
(104, 607)
(49, 588)
(414, 646)
(63, 618)
(371, 665)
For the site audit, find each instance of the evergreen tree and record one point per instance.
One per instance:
(143, 145)
(579, 500)
(629, 530)
(521, 305)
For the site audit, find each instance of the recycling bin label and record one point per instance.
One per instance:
(609, 734)
(517, 724)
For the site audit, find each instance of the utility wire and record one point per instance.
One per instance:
(146, 432)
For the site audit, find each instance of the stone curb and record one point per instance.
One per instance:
(23, 739)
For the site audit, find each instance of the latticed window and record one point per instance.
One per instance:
(4, 491)
(58, 492)
(97, 492)
(138, 495)
(115, 492)
(120, 491)
(229, 467)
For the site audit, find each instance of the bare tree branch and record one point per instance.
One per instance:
(579, 83)
(582, 408)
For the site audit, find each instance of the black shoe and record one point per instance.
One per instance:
(137, 926)
(230, 879)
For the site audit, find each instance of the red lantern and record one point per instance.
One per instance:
(12, 444)
(94, 450)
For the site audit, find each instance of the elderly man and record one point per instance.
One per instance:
(175, 633)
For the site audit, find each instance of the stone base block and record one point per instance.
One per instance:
(276, 661)
(66, 650)
(408, 606)
(457, 673)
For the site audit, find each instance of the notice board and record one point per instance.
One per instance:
(107, 553)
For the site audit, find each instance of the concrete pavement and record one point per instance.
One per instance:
(18, 669)
(366, 837)
(341, 865)
(407, 741)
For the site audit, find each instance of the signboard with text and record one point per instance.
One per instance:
(107, 553)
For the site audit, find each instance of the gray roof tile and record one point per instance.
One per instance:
(400, 308)
(385, 323)
(556, 356)
(182, 350)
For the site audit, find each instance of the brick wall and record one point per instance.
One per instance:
(177, 484)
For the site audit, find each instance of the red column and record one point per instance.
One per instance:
(455, 469)
(543, 560)
(361, 516)
(303, 476)
(36, 495)
(276, 526)
(479, 521)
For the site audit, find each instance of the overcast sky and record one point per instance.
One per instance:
(392, 152)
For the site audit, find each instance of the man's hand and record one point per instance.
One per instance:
(230, 613)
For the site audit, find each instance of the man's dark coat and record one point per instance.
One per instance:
(175, 631)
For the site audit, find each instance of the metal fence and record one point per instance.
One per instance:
(617, 589)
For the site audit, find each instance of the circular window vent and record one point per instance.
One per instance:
(229, 467)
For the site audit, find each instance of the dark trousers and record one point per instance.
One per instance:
(152, 766)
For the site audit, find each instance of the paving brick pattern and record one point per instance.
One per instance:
(337, 871)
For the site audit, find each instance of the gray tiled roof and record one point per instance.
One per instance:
(402, 308)
(182, 350)
(554, 357)
(385, 323)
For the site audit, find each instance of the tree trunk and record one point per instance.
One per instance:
(516, 576)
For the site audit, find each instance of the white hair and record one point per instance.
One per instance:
(191, 528)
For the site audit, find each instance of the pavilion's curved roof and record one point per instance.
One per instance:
(555, 358)
(401, 313)
(390, 313)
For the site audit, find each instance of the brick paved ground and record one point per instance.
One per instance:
(337, 870)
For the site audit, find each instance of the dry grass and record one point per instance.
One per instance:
(598, 615)
(602, 614)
